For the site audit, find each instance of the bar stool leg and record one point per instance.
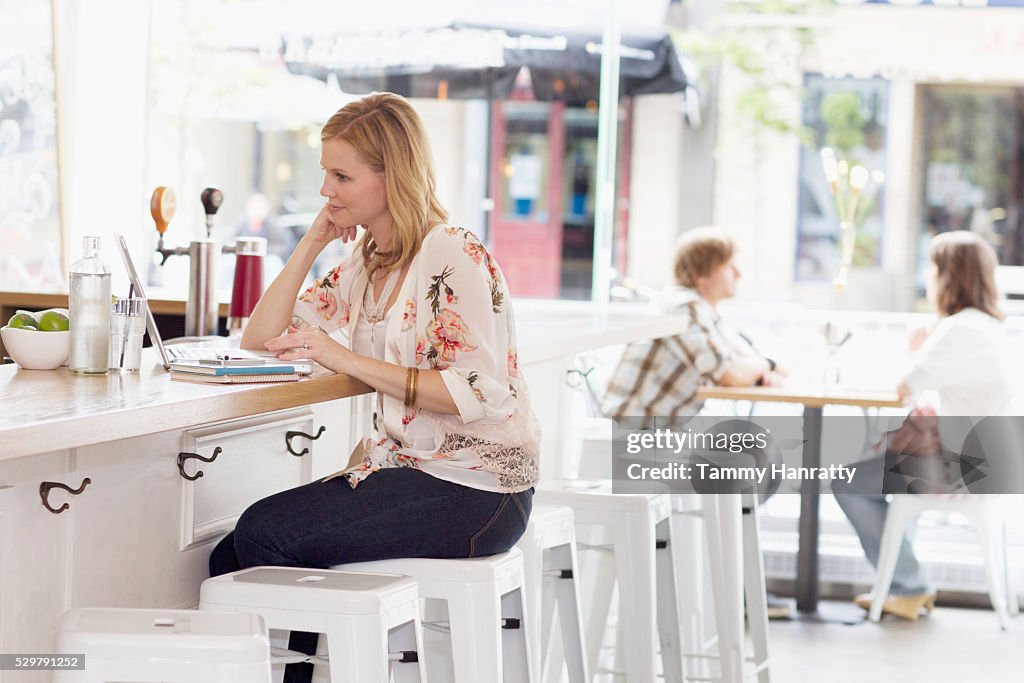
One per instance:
(689, 556)
(475, 618)
(515, 642)
(536, 589)
(567, 597)
(723, 513)
(635, 568)
(669, 626)
(357, 654)
(408, 637)
(603, 580)
(755, 589)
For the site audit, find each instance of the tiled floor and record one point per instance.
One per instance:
(950, 645)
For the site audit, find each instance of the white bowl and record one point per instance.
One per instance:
(35, 350)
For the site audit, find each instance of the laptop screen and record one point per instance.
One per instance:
(133, 277)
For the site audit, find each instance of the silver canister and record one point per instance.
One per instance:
(202, 307)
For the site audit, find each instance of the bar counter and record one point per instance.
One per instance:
(48, 410)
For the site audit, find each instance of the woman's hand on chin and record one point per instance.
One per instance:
(310, 343)
(324, 230)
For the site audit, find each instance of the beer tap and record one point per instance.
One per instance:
(202, 306)
(162, 206)
(211, 198)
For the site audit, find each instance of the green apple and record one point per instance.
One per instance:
(53, 321)
(23, 320)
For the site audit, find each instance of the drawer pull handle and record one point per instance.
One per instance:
(289, 435)
(44, 492)
(185, 457)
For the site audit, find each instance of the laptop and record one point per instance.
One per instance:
(178, 352)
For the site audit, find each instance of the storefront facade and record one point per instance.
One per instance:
(937, 110)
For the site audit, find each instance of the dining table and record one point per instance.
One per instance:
(813, 399)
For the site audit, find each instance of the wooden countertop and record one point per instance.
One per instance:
(815, 398)
(49, 410)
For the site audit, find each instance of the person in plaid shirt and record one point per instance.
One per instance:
(660, 377)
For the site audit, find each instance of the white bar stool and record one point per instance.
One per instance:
(164, 645)
(485, 612)
(736, 571)
(987, 513)
(551, 577)
(640, 539)
(370, 621)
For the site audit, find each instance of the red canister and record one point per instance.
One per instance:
(248, 285)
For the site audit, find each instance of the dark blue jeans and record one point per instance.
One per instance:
(398, 512)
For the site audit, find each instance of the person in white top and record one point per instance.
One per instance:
(960, 373)
(422, 313)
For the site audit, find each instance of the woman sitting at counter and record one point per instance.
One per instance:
(420, 312)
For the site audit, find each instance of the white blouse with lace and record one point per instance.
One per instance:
(465, 468)
(452, 314)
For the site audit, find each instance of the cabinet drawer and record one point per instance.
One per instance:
(253, 463)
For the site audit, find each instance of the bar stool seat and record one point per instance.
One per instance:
(486, 612)
(552, 578)
(164, 645)
(370, 621)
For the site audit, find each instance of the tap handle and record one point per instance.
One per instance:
(212, 198)
(162, 206)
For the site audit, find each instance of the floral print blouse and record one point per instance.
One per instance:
(452, 314)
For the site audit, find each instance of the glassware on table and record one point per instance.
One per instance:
(835, 336)
(89, 311)
(127, 327)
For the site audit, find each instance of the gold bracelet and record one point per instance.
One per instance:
(411, 382)
(409, 385)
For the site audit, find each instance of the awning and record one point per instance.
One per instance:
(470, 60)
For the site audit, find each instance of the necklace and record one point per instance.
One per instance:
(376, 310)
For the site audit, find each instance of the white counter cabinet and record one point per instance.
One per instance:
(140, 534)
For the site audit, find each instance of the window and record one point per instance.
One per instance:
(972, 168)
(849, 115)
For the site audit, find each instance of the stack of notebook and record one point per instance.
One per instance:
(236, 371)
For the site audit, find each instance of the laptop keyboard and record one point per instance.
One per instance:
(190, 352)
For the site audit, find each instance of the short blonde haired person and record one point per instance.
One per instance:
(422, 313)
(699, 251)
(660, 377)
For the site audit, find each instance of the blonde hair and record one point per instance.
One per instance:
(388, 134)
(965, 268)
(699, 251)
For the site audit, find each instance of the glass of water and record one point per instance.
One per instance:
(127, 327)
